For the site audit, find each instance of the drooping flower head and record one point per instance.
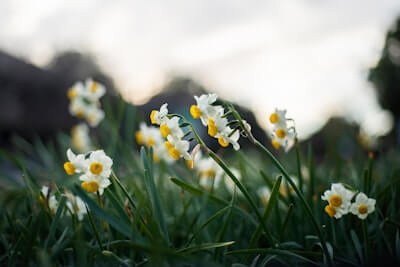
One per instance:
(204, 108)
(283, 135)
(339, 199)
(158, 116)
(80, 138)
(177, 148)
(363, 206)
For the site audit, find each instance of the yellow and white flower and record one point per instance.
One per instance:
(80, 138)
(52, 201)
(283, 137)
(204, 108)
(171, 127)
(97, 173)
(94, 115)
(339, 199)
(78, 108)
(278, 118)
(226, 137)
(76, 91)
(159, 116)
(210, 172)
(363, 206)
(264, 194)
(177, 147)
(76, 206)
(93, 90)
(75, 163)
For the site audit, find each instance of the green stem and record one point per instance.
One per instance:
(365, 235)
(246, 194)
(306, 206)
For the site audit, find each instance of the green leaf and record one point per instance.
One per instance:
(55, 221)
(200, 192)
(114, 222)
(208, 221)
(153, 194)
(204, 246)
(271, 251)
(271, 205)
(357, 245)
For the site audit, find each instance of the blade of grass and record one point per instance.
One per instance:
(204, 246)
(153, 194)
(55, 221)
(270, 206)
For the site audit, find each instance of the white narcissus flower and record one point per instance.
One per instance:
(80, 138)
(76, 206)
(204, 108)
(363, 206)
(76, 91)
(278, 118)
(78, 107)
(93, 90)
(159, 116)
(177, 148)
(264, 194)
(75, 163)
(94, 115)
(226, 137)
(98, 171)
(283, 138)
(339, 199)
(53, 204)
(216, 124)
(171, 127)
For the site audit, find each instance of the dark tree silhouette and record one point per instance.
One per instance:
(386, 74)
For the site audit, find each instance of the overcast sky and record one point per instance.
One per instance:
(310, 57)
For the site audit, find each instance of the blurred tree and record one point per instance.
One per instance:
(386, 75)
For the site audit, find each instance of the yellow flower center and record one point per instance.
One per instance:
(189, 163)
(93, 87)
(195, 112)
(275, 144)
(69, 168)
(96, 168)
(71, 93)
(165, 131)
(209, 173)
(153, 116)
(79, 114)
(212, 128)
(42, 200)
(331, 211)
(139, 137)
(172, 151)
(273, 118)
(90, 187)
(335, 201)
(363, 209)
(155, 158)
(150, 141)
(222, 142)
(281, 133)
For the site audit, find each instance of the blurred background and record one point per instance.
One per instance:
(334, 65)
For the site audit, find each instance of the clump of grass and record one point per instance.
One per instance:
(158, 212)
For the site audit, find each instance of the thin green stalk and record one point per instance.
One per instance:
(306, 206)
(365, 237)
(93, 226)
(246, 194)
(298, 161)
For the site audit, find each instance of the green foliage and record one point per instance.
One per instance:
(156, 214)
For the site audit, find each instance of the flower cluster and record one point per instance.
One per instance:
(283, 135)
(94, 167)
(151, 137)
(170, 129)
(74, 204)
(85, 101)
(214, 117)
(80, 138)
(339, 199)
